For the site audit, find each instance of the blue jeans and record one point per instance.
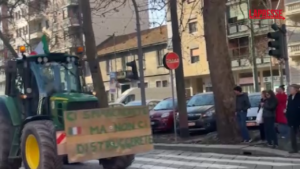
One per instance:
(241, 119)
(284, 130)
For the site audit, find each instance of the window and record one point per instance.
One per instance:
(107, 66)
(124, 61)
(160, 55)
(193, 27)
(194, 55)
(112, 97)
(165, 83)
(158, 83)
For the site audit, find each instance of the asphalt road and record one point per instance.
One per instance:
(159, 159)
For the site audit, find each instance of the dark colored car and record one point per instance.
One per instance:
(162, 115)
(201, 112)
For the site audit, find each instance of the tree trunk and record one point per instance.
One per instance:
(220, 69)
(91, 53)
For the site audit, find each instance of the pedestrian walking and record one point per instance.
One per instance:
(293, 115)
(280, 112)
(269, 113)
(261, 125)
(242, 106)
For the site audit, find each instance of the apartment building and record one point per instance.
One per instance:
(61, 21)
(116, 51)
(196, 70)
(292, 12)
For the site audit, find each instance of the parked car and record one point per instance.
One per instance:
(254, 99)
(201, 113)
(150, 103)
(162, 115)
(116, 105)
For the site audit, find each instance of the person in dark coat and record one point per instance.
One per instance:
(269, 113)
(261, 125)
(293, 115)
(242, 106)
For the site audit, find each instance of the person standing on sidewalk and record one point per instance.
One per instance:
(280, 113)
(269, 113)
(242, 106)
(293, 115)
(261, 125)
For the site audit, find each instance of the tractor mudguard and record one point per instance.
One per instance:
(9, 107)
(35, 118)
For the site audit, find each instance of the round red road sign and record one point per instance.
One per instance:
(171, 61)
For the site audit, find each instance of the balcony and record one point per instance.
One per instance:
(70, 3)
(242, 28)
(241, 59)
(36, 34)
(72, 42)
(231, 2)
(35, 17)
(294, 51)
(293, 10)
(71, 22)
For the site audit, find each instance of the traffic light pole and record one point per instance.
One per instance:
(286, 56)
(253, 57)
(140, 53)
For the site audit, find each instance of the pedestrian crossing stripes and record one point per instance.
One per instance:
(185, 160)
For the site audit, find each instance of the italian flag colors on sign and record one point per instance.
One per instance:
(74, 131)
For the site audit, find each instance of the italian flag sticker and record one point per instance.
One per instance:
(74, 131)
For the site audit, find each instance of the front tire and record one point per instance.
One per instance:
(38, 146)
(121, 162)
(6, 140)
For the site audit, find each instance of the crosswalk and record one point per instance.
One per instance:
(158, 159)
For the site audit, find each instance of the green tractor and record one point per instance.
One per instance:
(38, 90)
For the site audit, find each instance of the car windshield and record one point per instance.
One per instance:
(165, 105)
(134, 103)
(58, 77)
(201, 100)
(254, 100)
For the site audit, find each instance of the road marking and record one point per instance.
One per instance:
(188, 163)
(227, 160)
(251, 157)
(142, 166)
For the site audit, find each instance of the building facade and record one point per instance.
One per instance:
(292, 11)
(116, 51)
(196, 70)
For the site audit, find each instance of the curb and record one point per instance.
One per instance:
(227, 149)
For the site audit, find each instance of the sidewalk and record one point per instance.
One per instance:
(227, 149)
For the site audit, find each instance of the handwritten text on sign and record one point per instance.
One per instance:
(109, 132)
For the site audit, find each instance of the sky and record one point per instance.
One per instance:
(156, 17)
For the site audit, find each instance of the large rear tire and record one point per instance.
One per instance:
(38, 146)
(121, 162)
(6, 139)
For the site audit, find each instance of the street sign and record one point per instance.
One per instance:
(171, 61)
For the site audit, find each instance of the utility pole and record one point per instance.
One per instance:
(253, 57)
(286, 56)
(181, 99)
(140, 53)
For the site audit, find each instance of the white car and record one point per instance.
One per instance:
(116, 105)
(252, 112)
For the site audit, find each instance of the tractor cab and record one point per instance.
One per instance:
(48, 84)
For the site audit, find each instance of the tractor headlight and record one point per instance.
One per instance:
(40, 60)
(45, 59)
(73, 59)
(68, 59)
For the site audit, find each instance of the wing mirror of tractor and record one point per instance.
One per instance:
(134, 73)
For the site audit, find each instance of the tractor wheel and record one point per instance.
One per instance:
(121, 162)
(5, 143)
(38, 146)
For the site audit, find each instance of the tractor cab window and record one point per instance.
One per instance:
(56, 77)
(19, 80)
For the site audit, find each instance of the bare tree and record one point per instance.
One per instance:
(220, 69)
